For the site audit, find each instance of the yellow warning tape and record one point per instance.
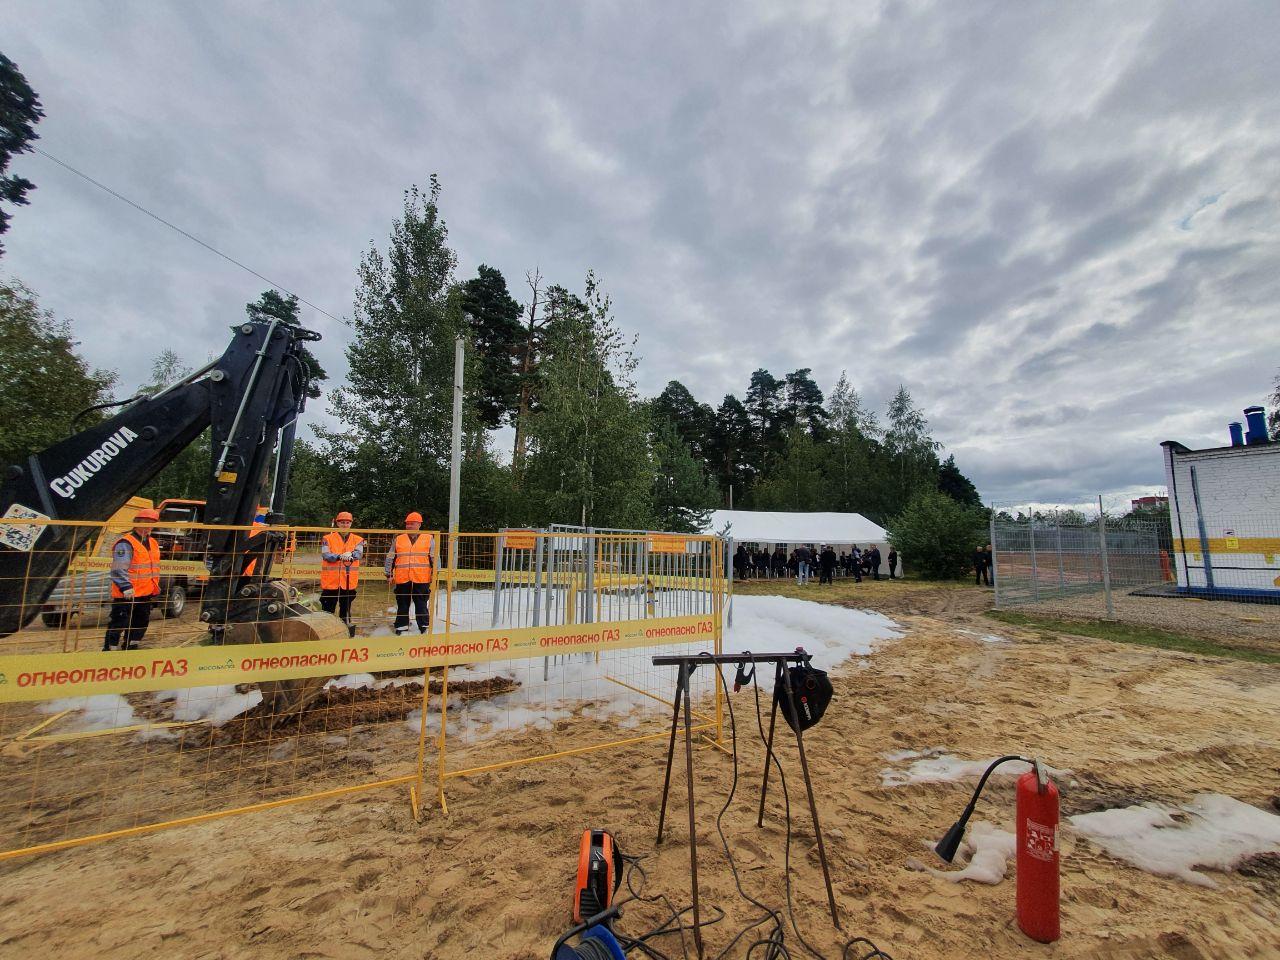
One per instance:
(45, 676)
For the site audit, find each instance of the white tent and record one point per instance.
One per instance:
(763, 526)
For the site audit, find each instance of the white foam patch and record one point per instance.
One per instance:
(935, 765)
(829, 632)
(984, 637)
(106, 711)
(1213, 832)
(985, 852)
(575, 685)
(218, 705)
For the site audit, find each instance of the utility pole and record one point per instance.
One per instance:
(455, 464)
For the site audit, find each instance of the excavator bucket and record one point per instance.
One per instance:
(283, 700)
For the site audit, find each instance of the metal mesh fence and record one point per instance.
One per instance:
(534, 644)
(1040, 554)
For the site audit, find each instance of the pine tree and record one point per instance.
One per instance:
(765, 405)
(272, 306)
(20, 111)
(956, 485)
(493, 316)
(693, 421)
(397, 406)
(803, 404)
(683, 496)
(730, 448)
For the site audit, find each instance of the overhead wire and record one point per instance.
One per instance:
(194, 239)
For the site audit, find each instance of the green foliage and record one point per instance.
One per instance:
(936, 536)
(683, 495)
(20, 111)
(493, 316)
(397, 405)
(588, 459)
(272, 306)
(312, 498)
(956, 485)
(802, 405)
(44, 383)
(795, 481)
(694, 422)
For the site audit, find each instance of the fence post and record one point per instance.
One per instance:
(1204, 536)
(728, 572)
(1035, 573)
(588, 597)
(1106, 567)
(1062, 580)
(995, 550)
(497, 577)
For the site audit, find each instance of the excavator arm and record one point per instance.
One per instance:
(251, 397)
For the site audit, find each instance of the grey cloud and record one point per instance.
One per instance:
(978, 200)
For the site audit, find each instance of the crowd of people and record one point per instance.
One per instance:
(806, 561)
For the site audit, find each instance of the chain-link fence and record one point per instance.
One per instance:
(1041, 553)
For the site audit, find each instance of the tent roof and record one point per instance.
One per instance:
(763, 526)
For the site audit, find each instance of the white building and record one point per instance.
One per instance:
(1224, 507)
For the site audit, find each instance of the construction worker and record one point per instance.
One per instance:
(254, 550)
(135, 583)
(408, 569)
(340, 553)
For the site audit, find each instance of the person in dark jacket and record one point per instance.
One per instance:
(826, 565)
(803, 559)
(893, 562)
(989, 562)
(875, 561)
(740, 562)
(980, 567)
(779, 563)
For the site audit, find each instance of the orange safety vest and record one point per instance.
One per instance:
(252, 565)
(413, 558)
(144, 568)
(334, 574)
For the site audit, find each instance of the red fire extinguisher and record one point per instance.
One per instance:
(1037, 837)
(1037, 844)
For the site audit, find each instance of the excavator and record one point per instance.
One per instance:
(250, 398)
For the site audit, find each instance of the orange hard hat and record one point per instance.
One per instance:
(146, 516)
(414, 517)
(344, 515)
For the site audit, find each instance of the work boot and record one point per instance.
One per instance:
(351, 629)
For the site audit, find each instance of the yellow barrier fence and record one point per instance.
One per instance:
(536, 645)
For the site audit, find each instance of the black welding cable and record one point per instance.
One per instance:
(786, 796)
(666, 927)
(769, 913)
(876, 953)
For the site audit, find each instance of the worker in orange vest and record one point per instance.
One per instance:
(135, 583)
(254, 550)
(340, 553)
(408, 568)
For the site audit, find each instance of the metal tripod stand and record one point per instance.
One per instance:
(686, 664)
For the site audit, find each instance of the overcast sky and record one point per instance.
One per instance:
(1056, 223)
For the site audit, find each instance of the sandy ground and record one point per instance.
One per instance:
(355, 876)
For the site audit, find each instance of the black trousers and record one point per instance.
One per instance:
(824, 575)
(339, 600)
(979, 575)
(419, 594)
(129, 619)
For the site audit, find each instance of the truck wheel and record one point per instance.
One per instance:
(175, 600)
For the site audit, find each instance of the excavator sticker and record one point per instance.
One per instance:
(21, 536)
